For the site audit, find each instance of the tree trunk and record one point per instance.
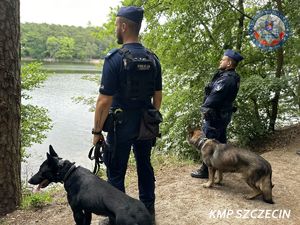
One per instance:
(10, 102)
(298, 90)
(240, 31)
(279, 73)
(256, 109)
(275, 100)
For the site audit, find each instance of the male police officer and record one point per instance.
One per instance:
(131, 82)
(217, 107)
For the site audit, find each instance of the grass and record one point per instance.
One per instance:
(38, 200)
(159, 161)
(2, 221)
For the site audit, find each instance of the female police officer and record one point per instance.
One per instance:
(217, 107)
(131, 82)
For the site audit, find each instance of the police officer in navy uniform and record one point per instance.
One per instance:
(113, 97)
(217, 107)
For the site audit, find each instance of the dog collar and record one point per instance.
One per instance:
(72, 168)
(201, 142)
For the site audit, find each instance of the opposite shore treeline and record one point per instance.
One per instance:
(60, 43)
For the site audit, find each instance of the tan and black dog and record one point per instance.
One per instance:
(256, 171)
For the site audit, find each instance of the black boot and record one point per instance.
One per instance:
(202, 172)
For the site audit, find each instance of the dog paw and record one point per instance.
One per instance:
(248, 197)
(207, 185)
(251, 197)
(219, 183)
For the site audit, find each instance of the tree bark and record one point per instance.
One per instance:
(275, 99)
(278, 74)
(10, 102)
(240, 31)
(298, 89)
(256, 109)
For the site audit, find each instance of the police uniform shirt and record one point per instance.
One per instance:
(223, 90)
(110, 80)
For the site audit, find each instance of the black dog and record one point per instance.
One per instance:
(89, 194)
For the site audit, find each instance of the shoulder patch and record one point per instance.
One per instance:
(218, 87)
(111, 53)
(219, 84)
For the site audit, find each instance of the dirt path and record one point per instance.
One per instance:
(181, 200)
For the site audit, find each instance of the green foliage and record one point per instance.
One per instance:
(32, 76)
(35, 200)
(3, 222)
(66, 48)
(35, 122)
(106, 33)
(189, 36)
(34, 119)
(41, 41)
(53, 46)
(102, 173)
(89, 101)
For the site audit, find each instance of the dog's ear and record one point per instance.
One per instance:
(189, 128)
(190, 131)
(52, 161)
(52, 152)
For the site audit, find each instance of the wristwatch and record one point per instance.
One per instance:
(96, 132)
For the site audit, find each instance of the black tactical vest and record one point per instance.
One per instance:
(139, 72)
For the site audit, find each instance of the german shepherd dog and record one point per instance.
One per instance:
(256, 171)
(89, 194)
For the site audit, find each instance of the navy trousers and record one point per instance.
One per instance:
(117, 155)
(216, 129)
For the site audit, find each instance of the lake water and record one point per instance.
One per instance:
(72, 122)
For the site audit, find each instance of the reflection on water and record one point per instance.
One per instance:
(71, 68)
(72, 123)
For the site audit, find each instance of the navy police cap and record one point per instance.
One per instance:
(234, 55)
(132, 13)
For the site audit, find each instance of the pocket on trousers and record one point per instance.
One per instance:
(149, 125)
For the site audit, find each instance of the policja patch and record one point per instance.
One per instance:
(218, 86)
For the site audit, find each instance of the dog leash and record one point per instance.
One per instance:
(98, 155)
